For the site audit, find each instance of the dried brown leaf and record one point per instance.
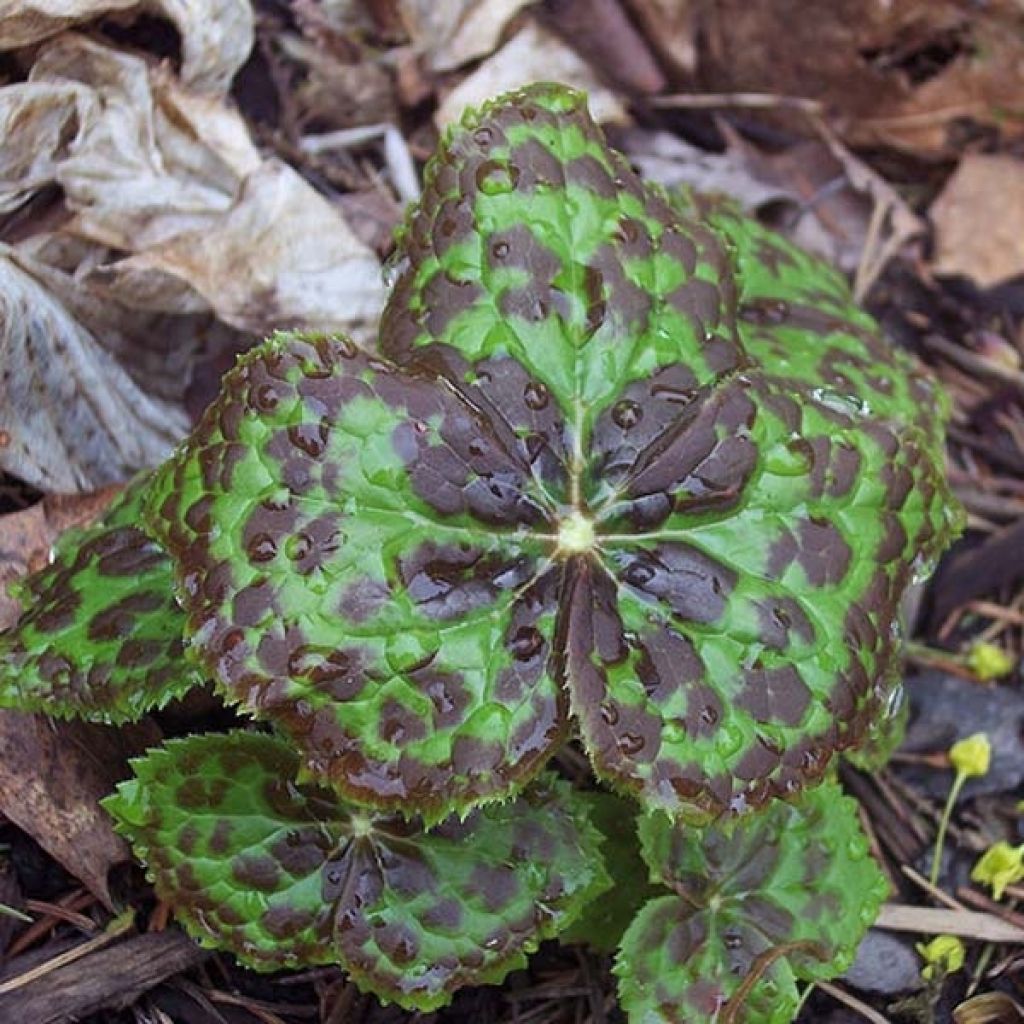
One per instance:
(52, 775)
(72, 418)
(452, 34)
(979, 220)
(904, 74)
(216, 35)
(532, 55)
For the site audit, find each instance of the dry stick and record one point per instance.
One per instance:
(747, 100)
(69, 956)
(933, 890)
(967, 924)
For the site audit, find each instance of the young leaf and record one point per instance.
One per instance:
(585, 481)
(282, 874)
(756, 903)
(101, 634)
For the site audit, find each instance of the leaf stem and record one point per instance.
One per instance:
(940, 836)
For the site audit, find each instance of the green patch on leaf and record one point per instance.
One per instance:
(283, 874)
(621, 457)
(757, 904)
(101, 633)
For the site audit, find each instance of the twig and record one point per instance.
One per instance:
(968, 924)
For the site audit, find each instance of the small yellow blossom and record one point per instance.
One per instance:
(971, 757)
(944, 953)
(989, 662)
(1000, 865)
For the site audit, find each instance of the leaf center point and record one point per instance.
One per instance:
(576, 534)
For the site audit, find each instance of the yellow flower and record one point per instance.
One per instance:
(989, 662)
(945, 953)
(971, 756)
(999, 866)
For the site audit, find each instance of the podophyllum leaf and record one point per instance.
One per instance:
(282, 874)
(581, 469)
(762, 473)
(101, 633)
(603, 921)
(354, 548)
(757, 902)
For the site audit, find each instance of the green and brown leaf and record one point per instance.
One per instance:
(623, 460)
(284, 874)
(756, 904)
(101, 633)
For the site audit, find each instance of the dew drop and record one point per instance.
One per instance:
(709, 714)
(535, 444)
(265, 398)
(536, 395)
(631, 744)
(609, 713)
(298, 546)
(310, 438)
(782, 617)
(639, 574)
(678, 396)
(499, 250)
(493, 178)
(627, 414)
(261, 548)
(895, 701)
(420, 426)
(526, 643)
(483, 137)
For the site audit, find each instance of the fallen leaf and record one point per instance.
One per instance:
(37, 122)
(979, 220)
(906, 75)
(27, 536)
(72, 418)
(532, 55)
(600, 32)
(216, 35)
(670, 27)
(173, 179)
(452, 34)
(989, 1008)
(52, 775)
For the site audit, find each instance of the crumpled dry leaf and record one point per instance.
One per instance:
(309, 268)
(979, 220)
(72, 418)
(174, 178)
(532, 55)
(452, 34)
(37, 122)
(903, 74)
(216, 35)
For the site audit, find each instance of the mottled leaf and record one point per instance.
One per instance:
(100, 636)
(630, 457)
(379, 578)
(756, 903)
(282, 874)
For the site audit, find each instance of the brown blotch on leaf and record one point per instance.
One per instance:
(774, 695)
